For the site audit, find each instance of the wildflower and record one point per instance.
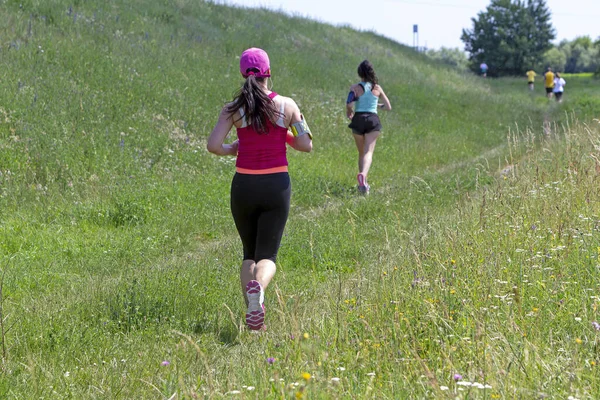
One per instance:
(165, 363)
(578, 341)
(457, 377)
(250, 388)
(341, 369)
(444, 388)
(306, 376)
(306, 335)
(271, 360)
(335, 380)
(596, 325)
(371, 374)
(234, 392)
(299, 395)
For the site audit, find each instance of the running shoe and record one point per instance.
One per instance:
(363, 186)
(255, 316)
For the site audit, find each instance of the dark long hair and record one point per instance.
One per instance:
(367, 73)
(258, 107)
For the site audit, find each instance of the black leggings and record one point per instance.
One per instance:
(260, 205)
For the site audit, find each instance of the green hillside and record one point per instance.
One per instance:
(119, 253)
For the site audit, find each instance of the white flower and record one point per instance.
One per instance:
(67, 374)
(371, 374)
(335, 380)
(250, 388)
(443, 388)
(234, 392)
(464, 383)
(341, 369)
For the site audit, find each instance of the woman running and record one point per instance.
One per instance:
(559, 87)
(261, 188)
(365, 124)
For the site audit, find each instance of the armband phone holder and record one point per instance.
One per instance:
(301, 128)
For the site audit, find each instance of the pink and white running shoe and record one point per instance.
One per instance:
(255, 316)
(363, 186)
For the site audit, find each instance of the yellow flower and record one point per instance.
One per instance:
(452, 291)
(384, 273)
(453, 261)
(306, 376)
(593, 363)
(299, 395)
(306, 335)
(578, 341)
(535, 309)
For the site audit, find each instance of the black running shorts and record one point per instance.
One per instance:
(365, 122)
(260, 205)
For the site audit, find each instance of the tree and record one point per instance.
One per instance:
(510, 36)
(578, 55)
(554, 58)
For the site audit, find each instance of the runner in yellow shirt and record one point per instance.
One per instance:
(549, 82)
(531, 78)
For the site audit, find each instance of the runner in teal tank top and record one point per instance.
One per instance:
(361, 108)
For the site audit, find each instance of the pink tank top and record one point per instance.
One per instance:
(262, 152)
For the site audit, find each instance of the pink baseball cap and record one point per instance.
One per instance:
(255, 58)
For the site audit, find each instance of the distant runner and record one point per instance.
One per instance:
(531, 78)
(365, 123)
(261, 188)
(559, 87)
(484, 68)
(549, 82)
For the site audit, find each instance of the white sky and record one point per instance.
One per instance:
(440, 21)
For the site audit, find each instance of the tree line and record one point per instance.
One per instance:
(513, 36)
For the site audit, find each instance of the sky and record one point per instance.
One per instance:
(440, 22)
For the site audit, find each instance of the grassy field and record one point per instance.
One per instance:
(471, 271)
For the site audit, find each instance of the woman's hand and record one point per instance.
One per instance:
(349, 111)
(233, 147)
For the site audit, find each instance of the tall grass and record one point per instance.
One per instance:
(120, 258)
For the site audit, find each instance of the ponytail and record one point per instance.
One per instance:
(258, 107)
(367, 72)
